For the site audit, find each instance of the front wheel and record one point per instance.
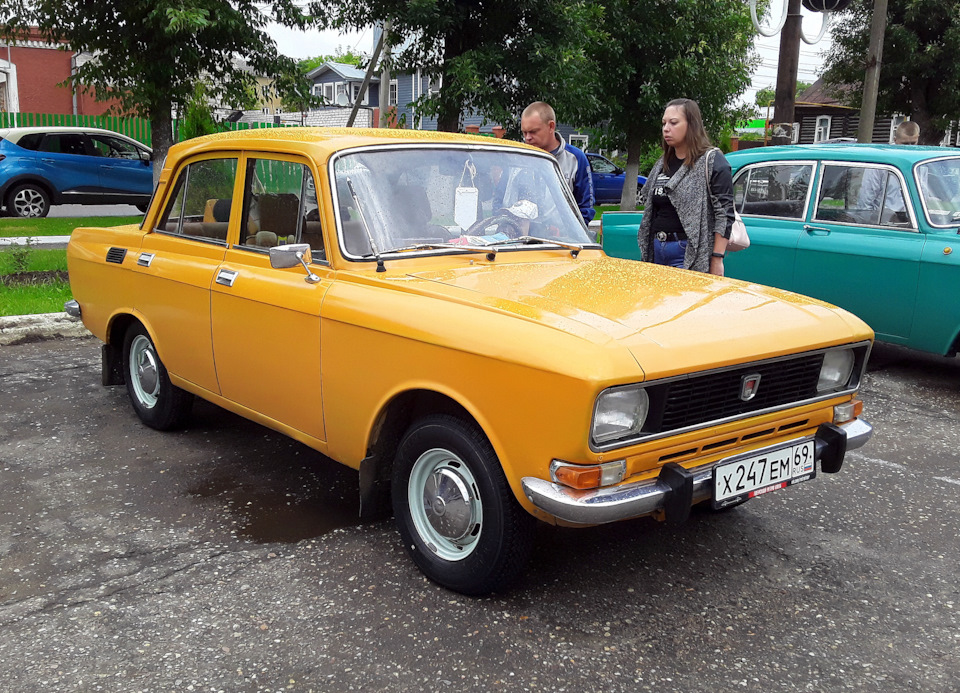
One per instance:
(157, 401)
(457, 516)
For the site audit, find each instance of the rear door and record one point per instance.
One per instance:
(772, 198)
(67, 160)
(861, 248)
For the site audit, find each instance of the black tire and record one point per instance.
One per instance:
(158, 403)
(473, 537)
(28, 200)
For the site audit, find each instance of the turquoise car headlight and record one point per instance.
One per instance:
(836, 369)
(620, 414)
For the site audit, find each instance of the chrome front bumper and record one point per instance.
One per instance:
(72, 308)
(672, 491)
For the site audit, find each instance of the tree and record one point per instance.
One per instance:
(660, 50)
(918, 74)
(492, 58)
(343, 55)
(766, 95)
(149, 54)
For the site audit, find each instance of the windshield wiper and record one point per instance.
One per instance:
(491, 253)
(574, 248)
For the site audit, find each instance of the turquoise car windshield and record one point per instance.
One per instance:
(940, 190)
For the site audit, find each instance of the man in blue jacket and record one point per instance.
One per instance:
(538, 123)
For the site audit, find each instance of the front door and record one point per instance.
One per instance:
(266, 321)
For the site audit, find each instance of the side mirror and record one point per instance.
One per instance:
(285, 256)
(617, 171)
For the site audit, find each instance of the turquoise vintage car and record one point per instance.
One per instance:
(871, 228)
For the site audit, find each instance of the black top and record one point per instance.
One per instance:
(665, 217)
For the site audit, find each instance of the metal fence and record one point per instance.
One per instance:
(137, 128)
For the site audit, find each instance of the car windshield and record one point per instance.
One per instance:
(940, 190)
(404, 197)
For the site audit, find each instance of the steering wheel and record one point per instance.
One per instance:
(499, 218)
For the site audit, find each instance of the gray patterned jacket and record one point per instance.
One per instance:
(701, 214)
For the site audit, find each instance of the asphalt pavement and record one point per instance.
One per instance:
(227, 557)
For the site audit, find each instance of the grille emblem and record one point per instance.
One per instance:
(748, 386)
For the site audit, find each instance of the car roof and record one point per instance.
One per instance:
(14, 134)
(898, 155)
(325, 141)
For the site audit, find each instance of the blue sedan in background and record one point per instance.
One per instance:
(608, 180)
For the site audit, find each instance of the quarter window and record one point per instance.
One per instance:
(280, 206)
(202, 201)
(777, 190)
(862, 195)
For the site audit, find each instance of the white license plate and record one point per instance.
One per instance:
(768, 471)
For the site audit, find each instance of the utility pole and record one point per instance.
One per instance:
(871, 81)
(789, 63)
(385, 77)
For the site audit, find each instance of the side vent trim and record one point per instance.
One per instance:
(116, 255)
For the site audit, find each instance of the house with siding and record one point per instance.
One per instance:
(821, 116)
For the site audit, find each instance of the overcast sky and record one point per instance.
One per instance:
(307, 44)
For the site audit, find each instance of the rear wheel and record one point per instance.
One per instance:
(28, 200)
(158, 403)
(457, 516)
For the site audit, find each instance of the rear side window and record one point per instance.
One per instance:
(774, 190)
(861, 195)
(65, 143)
(202, 201)
(31, 141)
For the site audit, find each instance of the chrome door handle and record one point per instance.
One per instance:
(816, 230)
(227, 277)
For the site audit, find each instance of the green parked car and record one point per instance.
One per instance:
(870, 228)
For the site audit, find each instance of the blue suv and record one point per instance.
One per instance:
(608, 179)
(43, 166)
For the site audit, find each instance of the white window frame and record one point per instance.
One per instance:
(394, 93)
(435, 85)
(821, 134)
(894, 123)
(795, 138)
(355, 91)
(948, 135)
(328, 92)
(579, 141)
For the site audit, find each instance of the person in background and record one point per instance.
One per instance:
(538, 124)
(688, 196)
(879, 188)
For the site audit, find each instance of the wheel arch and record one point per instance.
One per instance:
(393, 420)
(40, 181)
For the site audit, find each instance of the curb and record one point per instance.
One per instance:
(20, 329)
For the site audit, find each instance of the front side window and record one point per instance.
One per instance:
(411, 196)
(116, 148)
(774, 190)
(869, 195)
(202, 200)
(939, 183)
(280, 206)
(601, 165)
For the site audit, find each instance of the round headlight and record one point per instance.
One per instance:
(620, 414)
(836, 369)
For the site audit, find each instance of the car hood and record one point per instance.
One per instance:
(670, 319)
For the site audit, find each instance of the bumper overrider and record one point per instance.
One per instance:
(676, 488)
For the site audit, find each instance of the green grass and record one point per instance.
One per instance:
(11, 227)
(47, 297)
(38, 260)
(35, 299)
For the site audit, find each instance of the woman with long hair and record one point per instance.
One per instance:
(688, 196)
